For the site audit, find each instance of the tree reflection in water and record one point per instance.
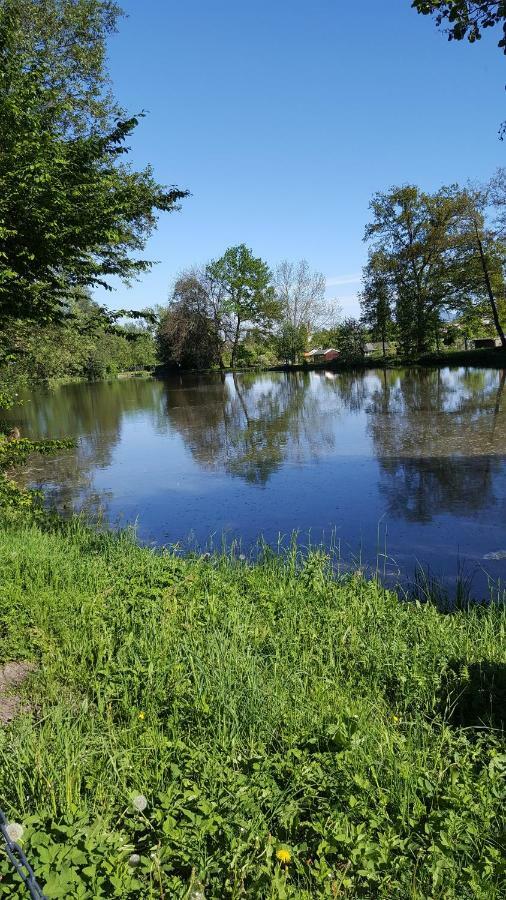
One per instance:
(249, 425)
(92, 414)
(440, 438)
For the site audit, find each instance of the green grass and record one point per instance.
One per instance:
(257, 707)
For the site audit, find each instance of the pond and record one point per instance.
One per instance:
(392, 468)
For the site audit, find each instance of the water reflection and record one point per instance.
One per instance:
(420, 449)
(250, 425)
(440, 440)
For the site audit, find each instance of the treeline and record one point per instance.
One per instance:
(435, 275)
(73, 214)
(85, 343)
(436, 265)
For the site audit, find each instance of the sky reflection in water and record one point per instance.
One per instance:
(412, 462)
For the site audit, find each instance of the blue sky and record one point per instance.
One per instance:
(282, 118)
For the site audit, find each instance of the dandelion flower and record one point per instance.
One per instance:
(15, 831)
(139, 802)
(134, 860)
(284, 856)
(142, 715)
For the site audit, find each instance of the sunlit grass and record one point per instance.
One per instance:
(259, 708)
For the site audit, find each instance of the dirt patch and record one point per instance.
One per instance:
(12, 675)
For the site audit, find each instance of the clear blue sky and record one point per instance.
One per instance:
(282, 117)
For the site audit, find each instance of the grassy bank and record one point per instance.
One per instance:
(293, 736)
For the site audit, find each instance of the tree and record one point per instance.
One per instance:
(71, 214)
(301, 294)
(350, 338)
(478, 266)
(465, 18)
(247, 296)
(376, 301)
(291, 341)
(187, 336)
(415, 234)
(496, 195)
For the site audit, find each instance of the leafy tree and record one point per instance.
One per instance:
(496, 195)
(247, 296)
(376, 301)
(478, 268)
(415, 234)
(291, 341)
(187, 337)
(71, 214)
(465, 18)
(350, 338)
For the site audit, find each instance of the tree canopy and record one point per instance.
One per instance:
(248, 297)
(465, 18)
(71, 212)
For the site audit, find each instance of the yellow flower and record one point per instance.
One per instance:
(395, 720)
(142, 715)
(284, 856)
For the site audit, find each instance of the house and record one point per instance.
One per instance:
(319, 355)
(376, 347)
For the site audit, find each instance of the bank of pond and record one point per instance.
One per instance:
(208, 726)
(396, 470)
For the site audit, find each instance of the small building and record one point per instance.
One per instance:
(319, 355)
(374, 348)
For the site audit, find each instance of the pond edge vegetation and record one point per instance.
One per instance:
(293, 734)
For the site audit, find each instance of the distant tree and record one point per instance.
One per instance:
(247, 296)
(186, 337)
(291, 341)
(478, 267)
(301, 294)
(415, 234)
(351, 338)
(376, 301)
(187, 334)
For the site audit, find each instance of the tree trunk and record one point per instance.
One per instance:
(488, 284)
(236, 343)
(383, 342)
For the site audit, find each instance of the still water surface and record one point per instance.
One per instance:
(411, 462)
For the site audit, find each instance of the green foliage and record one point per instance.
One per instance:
(376, 302)
(465, 18)
(70, 212)
(258, 708)
(188, 333)
(15, 502)
(434, 256)
(248, 297)
(291, 342)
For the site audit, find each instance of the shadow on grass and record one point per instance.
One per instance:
(473, 695)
